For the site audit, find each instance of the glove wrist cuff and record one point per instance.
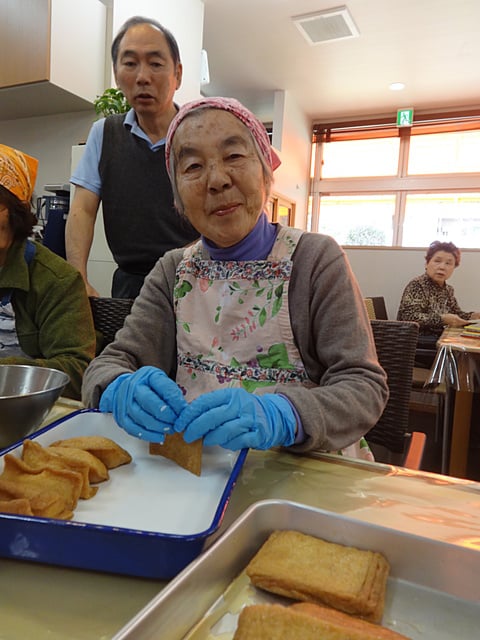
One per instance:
(285, 414)
(106, 400)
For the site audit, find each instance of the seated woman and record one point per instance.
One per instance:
(430, 301)
(256, 335)
(45, 317)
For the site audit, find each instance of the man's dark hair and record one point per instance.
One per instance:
(448, 247)
(131, 22)
(20, 215)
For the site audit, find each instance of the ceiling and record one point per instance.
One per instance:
(432, 46)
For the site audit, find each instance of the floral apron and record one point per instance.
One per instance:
(233, 324)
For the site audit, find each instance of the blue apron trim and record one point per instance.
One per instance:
(28, 254)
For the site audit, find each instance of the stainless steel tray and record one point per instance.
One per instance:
(150, 519)
(433, 592)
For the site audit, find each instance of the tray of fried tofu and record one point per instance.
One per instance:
(286, 571)
(98, 499)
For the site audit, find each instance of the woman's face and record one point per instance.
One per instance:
(440, 267)
(6, 234)
(219, 176)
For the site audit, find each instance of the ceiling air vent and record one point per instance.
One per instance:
(328, 25)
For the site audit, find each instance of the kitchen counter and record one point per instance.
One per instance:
(43, 602)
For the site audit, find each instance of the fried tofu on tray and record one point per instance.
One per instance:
(48, 481)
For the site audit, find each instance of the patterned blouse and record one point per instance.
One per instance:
(424, 301)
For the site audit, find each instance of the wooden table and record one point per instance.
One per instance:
(458, 365)
(55, 603)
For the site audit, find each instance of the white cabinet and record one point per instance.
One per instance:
(53, 56)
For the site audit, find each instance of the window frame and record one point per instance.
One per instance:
(400, 185)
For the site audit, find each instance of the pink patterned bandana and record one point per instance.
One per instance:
(256, 128)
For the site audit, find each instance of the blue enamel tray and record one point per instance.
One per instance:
(150, 519)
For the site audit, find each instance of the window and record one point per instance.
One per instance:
(455, 152)
(281, 210)
(347, 158)
(376, 185)
(442, 216)
(358, 220)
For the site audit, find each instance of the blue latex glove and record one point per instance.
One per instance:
(145, 403)
(236, 419)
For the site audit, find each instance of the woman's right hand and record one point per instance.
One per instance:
(452, 320)
(145, 403)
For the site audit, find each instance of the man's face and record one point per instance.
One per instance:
(145, 70)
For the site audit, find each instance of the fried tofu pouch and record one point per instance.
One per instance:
(51, 493)
(66, 483)
(108, 451)
(48, 481)
(28, 501)
(305, 621)
(39, 458)
(19, 506)
(187, 455)
(310, 569)
(97, 471)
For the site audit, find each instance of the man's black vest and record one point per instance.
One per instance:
(141, 222)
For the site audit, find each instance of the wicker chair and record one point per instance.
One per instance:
(376, 308)
(390, 438)
(108, 317)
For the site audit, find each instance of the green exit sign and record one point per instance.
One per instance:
(404, 117)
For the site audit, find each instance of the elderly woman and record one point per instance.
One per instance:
(45, 317)
(428, 299)
(255, 336)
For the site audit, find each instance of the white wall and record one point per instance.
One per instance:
(50, 140)
(292, 135)
(385, 272)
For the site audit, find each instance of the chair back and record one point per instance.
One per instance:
(396, 342)
(108, 317)
(376, 308)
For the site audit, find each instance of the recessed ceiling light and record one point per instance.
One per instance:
(397, 86)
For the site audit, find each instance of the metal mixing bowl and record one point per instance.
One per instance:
(27, 394)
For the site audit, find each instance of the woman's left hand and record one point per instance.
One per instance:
(236, 419)
(452, 320)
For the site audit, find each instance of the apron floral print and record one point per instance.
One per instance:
(233, 324)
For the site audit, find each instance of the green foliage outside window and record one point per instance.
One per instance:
(362, 236)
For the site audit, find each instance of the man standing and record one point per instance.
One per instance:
(124, 164)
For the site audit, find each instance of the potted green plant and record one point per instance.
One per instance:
(111, 101)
